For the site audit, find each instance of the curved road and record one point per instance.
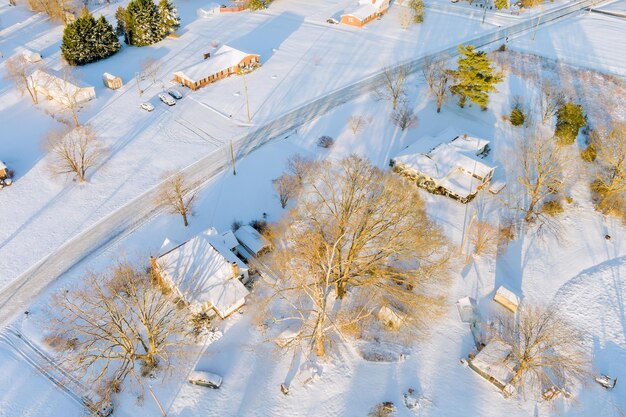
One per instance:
(21, 292)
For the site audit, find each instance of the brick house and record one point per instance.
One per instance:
(365, 12)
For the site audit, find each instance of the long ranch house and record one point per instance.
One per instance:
(222, 63)
(365, 12)
(449, 164)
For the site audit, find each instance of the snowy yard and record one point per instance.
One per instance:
(581, 273)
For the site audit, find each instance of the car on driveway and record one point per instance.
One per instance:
(175, 93)
(332, 21)
(146, 106)
(205, 379)
(167, 99)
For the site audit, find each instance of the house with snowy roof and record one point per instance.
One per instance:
(448, 164)
(496, 363)
(56, 87)
(364, 12)
(220, 63)
(205, 273)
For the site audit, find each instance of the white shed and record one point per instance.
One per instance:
(251, 241)
(390, 317)
(507, 298)
(468, 312)
(111, 81)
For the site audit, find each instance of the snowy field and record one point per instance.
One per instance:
(598, 43)
(303, 58)
(582, 273)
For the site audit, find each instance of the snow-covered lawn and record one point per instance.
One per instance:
(589, 40)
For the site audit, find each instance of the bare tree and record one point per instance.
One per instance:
(117, 324)
(357, 123)
(178, 195)
(20, 72)
(68, 93)
(552, 97)
(357, 240)
(610, 172)
(547, 349)
(404, 118)
(56, 9)
(150, 69)
(437, 76)
(392, 85)
(539, 162)
(484, 237)
(75, 151)
(298, 167)
(286, 186)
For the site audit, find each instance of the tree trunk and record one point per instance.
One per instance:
(341, 288)
(320, 350)
(184, 214)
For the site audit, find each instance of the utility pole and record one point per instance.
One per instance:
(157, 401)
(137, 82)
(485, 12)
(245, 88)
(232, 157)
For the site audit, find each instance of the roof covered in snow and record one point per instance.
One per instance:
(367, 8)
(448, 158)
(59, 88)
(495, 360)
(251, 239)
(221, 59)
(202, 270)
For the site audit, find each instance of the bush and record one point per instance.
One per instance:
(260, 225)
(200, 323)
(589, 154)
(552, 208)
(236, 224)
(501, 4)
(325, 142)
(517, 117)
(570, 118)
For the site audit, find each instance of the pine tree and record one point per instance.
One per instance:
(170, 21)
(142, 23)
(87, 40)
(475, 77)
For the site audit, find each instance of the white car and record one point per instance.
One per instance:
(205, 379)
(175, 93)
(147, 106)
(167, 99)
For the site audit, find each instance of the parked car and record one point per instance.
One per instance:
(167, 99)
(205, 379)
(332, 21)
(175, 93)
(147, 106)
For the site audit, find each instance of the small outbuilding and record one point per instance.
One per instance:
(5, 175)
(468, 311)
(31, 56)
(390, 317)
(507, 298)
(204, 273)
(251, 243)
(111, 81)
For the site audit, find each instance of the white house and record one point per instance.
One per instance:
(205, 273)
(251, 242)
(497, 365)
(449, 164)
(54, 87)
(209, 10)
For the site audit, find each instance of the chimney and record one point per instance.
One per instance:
(235, 269)
(207, 55)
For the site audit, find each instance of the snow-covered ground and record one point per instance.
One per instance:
(598, 43)
(303, 57)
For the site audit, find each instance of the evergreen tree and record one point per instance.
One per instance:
(170, 21)
(87, 40)
(141, 23)
(121, 14)
(475, 77)
(570, 118)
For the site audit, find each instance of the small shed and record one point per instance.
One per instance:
(468, 311)
(286, 337)
(111, 81)
(208, 10)
(390, 317)
(497, 365)
(507, 299)
(31, 56)
(251, 242)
